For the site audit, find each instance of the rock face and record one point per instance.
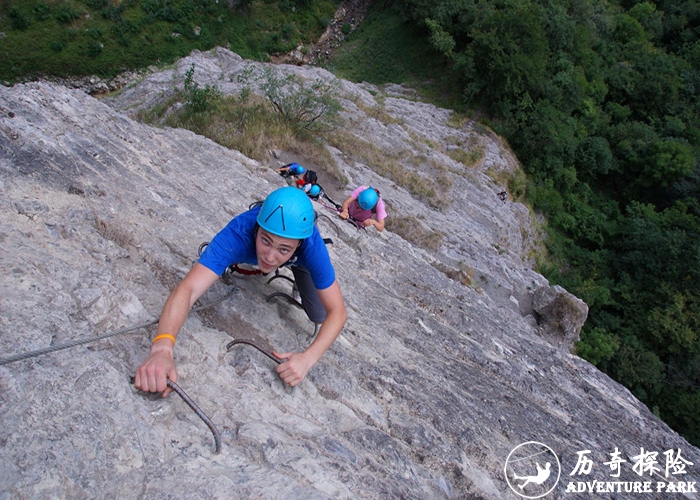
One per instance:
(561, 313)
(441, 371)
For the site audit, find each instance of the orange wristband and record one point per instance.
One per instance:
(164, 336)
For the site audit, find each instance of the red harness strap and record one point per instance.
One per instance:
(245, 272)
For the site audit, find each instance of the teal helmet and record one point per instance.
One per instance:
(368, 198)
(315, 190)
(297, 169)
(287, 212)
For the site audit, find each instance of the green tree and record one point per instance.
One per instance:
(309, 105)
(198, 99)
(669, 161)
(597, 345)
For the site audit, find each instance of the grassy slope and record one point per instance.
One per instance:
(385, 49)
(41, 39)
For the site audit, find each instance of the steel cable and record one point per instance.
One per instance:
(77, 342)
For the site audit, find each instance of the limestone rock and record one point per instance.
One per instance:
(561, 314)
(437, 376)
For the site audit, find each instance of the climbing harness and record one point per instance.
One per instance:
(235, 268)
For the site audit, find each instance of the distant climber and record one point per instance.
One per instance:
(314, 191)
(307, 180)
(280, 231)
(298, 176)
(503, 195)
(291, 170)
(366, 206)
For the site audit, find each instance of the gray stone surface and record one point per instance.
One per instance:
(561, 314)
(430, 386)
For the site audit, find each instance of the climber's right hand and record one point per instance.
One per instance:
(159, 366)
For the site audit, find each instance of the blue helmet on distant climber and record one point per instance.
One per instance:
(368, 198)
(296, 169)
(315, 190)
(287, 212)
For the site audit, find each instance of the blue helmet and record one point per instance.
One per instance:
(315, 190)
(296, 169)
(368, 198)
(287, 212)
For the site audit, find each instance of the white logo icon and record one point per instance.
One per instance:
(532, 470)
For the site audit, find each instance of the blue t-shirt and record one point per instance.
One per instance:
(235, 244)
